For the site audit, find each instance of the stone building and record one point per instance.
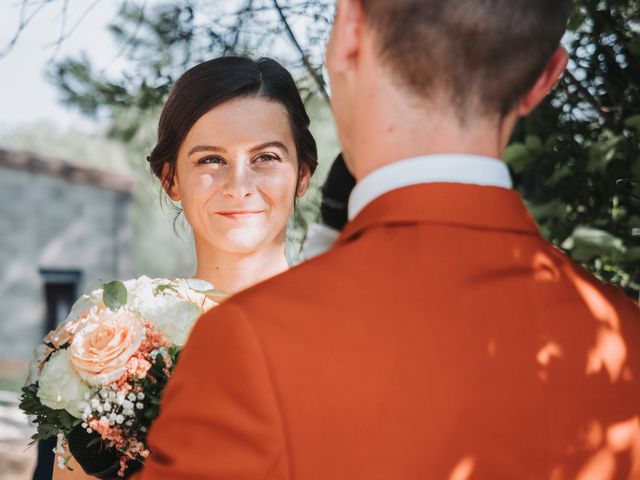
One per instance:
(63, 227)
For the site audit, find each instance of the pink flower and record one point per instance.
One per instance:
(101, 349)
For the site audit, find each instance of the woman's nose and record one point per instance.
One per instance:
(238, 182)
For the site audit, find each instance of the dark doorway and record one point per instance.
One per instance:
(61, 289)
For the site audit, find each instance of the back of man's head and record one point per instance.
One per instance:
(484, 55)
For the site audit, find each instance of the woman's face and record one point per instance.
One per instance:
(236, 176)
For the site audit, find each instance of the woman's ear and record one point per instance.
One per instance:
(304, 178)
(170, 182)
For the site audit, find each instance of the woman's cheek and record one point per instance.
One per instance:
(280, 189)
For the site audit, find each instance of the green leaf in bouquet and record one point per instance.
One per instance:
(161, 289)
(114, 294)
(94, 441)
(30, 403)
(151, 413)
(65, 419)
(46, 430)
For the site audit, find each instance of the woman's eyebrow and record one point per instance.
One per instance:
(206, 148)
(276, 144)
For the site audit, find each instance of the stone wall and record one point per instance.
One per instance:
(65, 218)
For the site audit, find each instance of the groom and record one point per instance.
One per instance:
(441, 337)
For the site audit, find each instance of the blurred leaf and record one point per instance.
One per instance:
(533, 143)
(633, 121)
(634, 45)
(586, 243)
(517, 156)
(632, 255)
(552, 210)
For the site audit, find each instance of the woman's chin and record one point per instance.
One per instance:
(243, 241)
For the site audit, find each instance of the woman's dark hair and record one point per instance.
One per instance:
(209, 84)
(335, 195)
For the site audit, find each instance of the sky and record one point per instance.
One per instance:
(26, 96)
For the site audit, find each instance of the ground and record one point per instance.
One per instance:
(16, 460)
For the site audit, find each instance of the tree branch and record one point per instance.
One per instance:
(24, 21)
(317, 78)
(589, 98)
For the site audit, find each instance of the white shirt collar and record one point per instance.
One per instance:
(453, 168)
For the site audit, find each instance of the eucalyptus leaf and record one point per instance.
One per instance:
(114, 294)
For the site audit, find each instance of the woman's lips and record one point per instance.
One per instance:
(239, 214)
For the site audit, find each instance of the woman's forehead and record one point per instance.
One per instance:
(245, 120)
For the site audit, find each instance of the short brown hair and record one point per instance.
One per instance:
(484, 54)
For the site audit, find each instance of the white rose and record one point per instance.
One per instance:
(172, 316)
(139, 286)
(142, 292)
(60, 386)
(83, 304)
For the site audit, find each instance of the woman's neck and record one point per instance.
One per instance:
(232, 272)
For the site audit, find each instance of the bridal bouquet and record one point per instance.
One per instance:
(96, 380)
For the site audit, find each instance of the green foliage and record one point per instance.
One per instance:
(568, 156)
(114, 295)
(50, 422)
(153, 385)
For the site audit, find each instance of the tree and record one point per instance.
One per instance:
(575, 159)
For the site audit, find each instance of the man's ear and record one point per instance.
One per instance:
(552, 73)
(170, 184)
(304, 178)
(344, 42)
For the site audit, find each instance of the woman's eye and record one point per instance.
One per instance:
(211, 159)
(267, 157)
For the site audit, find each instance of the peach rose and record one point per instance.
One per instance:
(101, 349)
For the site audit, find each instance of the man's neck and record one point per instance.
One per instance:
(393, 128)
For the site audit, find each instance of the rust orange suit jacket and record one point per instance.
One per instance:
(442, 337)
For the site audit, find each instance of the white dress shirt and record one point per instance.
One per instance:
(320, 238)
(453, 168)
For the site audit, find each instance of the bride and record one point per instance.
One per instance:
(234, 148)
